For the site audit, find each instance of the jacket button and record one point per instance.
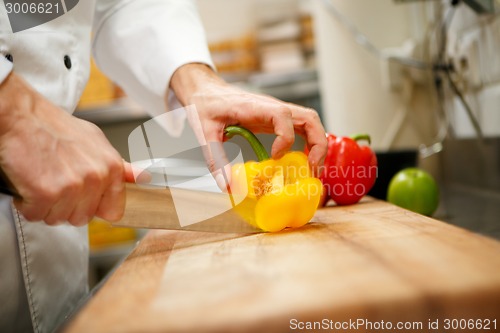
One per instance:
(9, 57)
(67, 62)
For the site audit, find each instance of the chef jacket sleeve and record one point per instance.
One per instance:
(140, 43)
(5, 68)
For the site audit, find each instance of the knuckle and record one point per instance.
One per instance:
(288, 137)
(116, 164)
(309, 115)
(94, 178)
(96, 174)
(284, 111)
(46, 195)
(94, 129)
(31, 215)
(72, 186)
(314, 115)
(113, 166)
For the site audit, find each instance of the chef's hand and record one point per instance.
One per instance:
(63, 167)
(220, 105)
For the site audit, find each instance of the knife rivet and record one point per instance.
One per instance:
(67, 62)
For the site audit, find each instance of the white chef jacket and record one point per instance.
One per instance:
(138, 44)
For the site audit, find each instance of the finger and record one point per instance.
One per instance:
(267, 115)
(129, 172)
(87, 204)
(68, 197)
(285, 135)
(133, 174)
(112, 203)
(85, 210)
(308, 123)
(215, 156)
(32, 210)
(36, 205)
(61, 210)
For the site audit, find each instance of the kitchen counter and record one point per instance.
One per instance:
(368, 264)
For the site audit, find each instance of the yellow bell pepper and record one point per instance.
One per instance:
(278, 193)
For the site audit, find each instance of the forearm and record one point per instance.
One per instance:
(50, 158)
(21, 106)
(11, 95)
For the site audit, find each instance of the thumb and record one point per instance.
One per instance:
(128, 172)
(133, 174)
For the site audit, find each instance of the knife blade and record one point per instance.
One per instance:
(158, 208)
(181, 192)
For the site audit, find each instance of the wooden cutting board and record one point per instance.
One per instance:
(370, 263)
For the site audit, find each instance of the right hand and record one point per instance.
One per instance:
(219, 105)
(64, 168)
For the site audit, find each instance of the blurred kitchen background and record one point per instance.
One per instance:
(421, 77)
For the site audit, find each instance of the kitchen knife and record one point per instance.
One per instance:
(181, 209)
(153, 208)
(181, 192)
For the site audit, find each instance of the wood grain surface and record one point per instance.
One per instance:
(371, 261)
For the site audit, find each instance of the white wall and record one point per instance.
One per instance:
(354, 98)
(475, 48)
(227, 19)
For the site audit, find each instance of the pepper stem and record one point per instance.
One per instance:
(359, 137)
(256, 145)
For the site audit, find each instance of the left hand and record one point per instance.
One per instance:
(220, 104)
(51, 159)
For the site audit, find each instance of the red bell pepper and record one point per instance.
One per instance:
(350, 170)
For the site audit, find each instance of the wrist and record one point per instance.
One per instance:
(18, 103)
(190, 79)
